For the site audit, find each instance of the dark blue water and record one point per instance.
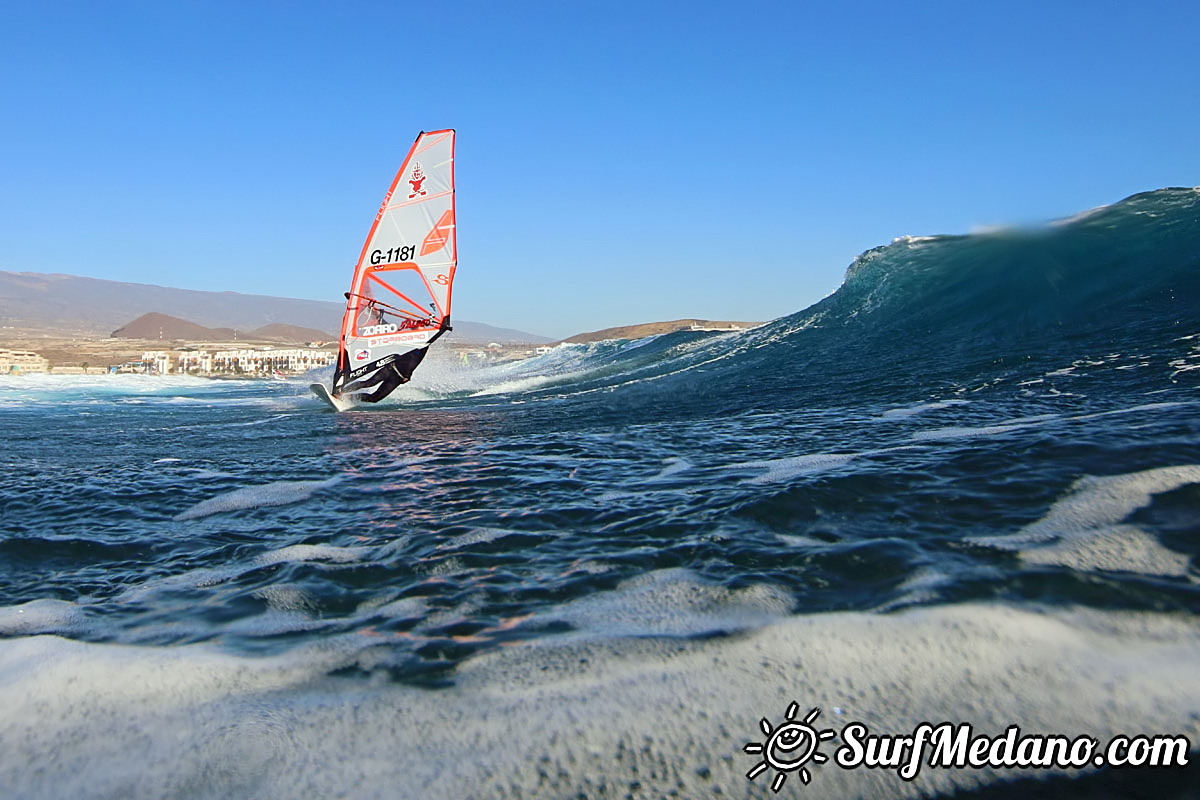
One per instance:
(1006, 418)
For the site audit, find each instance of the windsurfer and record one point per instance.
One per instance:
(400, 300)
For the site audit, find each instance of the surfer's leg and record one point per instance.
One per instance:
(391, 379)
(385, 380)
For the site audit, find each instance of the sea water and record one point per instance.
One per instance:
(964, 488)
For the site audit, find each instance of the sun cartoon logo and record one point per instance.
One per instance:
(789, 747)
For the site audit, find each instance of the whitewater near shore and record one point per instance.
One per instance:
(962, 489)
(640, 716)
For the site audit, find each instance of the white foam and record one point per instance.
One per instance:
(106, 384)
(1085, 529)
(289, 598)
(192, 579)
(403, 608)
(476, 536)
(911, 411)
(641, 488)
(1121, 548)
(967, 432)
(313, 552)
(784, 469)
(671, 468)
(796, 540)
(253, 422)
(268, 494)
(517, 385)
(924, 586)
(588, 567)
(273, 622)
(44, 615)
(781, 470)
(672, 602)
(648, 717)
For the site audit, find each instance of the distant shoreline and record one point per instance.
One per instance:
(82, 353)
(96, 372)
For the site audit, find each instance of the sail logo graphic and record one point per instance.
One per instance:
(417, 180)
(789, 747)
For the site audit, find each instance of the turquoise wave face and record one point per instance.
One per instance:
(1136, 262)
(927, 314)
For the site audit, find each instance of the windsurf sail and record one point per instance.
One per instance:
(399, 298)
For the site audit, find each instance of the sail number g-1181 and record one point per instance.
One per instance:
(393, 254)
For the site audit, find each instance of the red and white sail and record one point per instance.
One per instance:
(399, 298)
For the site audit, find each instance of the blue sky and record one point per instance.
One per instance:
(617, 162)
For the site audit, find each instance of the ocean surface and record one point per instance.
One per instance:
(965, 487)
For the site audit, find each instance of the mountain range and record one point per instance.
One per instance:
(72, 304)
(168, 328)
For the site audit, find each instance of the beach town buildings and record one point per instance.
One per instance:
(22, 362)
(269, 360)
(239, 361)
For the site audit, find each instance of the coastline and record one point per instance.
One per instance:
(88, 354)
(85, 352)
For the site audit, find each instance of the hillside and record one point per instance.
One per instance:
(654, 328)
(279, 332)
(74, 304)
(55, 305)
(167, 328)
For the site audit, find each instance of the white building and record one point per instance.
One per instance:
(195, 361)
(251, 362)
(20, 362)
(240, 361)
(158, 361)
